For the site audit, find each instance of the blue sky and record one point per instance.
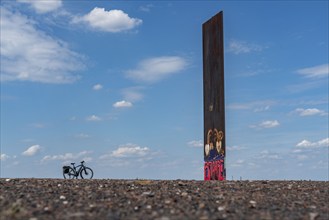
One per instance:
(119, 85)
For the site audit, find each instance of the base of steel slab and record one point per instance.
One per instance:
(214, 170)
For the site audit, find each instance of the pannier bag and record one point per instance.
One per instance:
(66, 169)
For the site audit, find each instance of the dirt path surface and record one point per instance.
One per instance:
(34, 199)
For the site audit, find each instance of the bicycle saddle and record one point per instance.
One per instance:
(72, 163)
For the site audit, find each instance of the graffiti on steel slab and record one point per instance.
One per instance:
(213, 148)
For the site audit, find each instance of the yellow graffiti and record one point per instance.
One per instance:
(214, 136)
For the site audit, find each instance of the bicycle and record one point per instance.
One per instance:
(83, 171)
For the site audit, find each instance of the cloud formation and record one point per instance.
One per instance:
(130, 150)
(308, 144)
(155, 69)
(122, 104)
(257, 106)
(198, 143)
(93, 118)
(146, 8)
(269, 124)
(82, 136)
(28, 54)
(133, 94)
(319, 71)
(97, 87)
(235, 148)
(68, 156)
(310, 112)
(266, 124)
(241, 47)
(265, 154)
(4, 157)
(109, 21)
(43, 6)
(31, 151)
(238, 163)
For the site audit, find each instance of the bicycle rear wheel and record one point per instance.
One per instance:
(86, 173)
(70, 174)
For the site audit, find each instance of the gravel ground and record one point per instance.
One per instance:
(34, 199)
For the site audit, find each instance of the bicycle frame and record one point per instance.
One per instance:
(81, 166)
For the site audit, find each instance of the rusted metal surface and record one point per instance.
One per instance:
(213, 92)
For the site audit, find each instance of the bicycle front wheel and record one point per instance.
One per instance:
(86, 173)
(70, 174)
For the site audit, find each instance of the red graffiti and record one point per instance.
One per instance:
(214, 170)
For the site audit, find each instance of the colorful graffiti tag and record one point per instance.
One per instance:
(213, 149)
(214, 156)
(214, 170)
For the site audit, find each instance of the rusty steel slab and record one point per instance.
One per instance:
(213, 93)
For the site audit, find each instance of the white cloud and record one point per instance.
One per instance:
(133, 94)
(238, 106)
(240, 47)
(235, 148)
(310, 112)
(265, 155)
(266, 124)
(315, 71)
(93, 118)
(122, 104)
(97, 87)
(28, 54)
(109, 21)
(31, 151)
(304, 143)
(262, 109)
(155, 69)
(237, 163)
(308, 145)
(43, 6)
(146, 8)
(198, 143)
(257, 106)
(323, 142)
(302, 157)
(297, 151)
(129, 155)
(4, 157)
(130, 150)
(308, 85)
(269, 124)
(68, 156)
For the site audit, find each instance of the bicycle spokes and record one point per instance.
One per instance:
(86, 173)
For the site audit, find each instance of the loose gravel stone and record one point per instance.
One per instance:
(168, 200)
